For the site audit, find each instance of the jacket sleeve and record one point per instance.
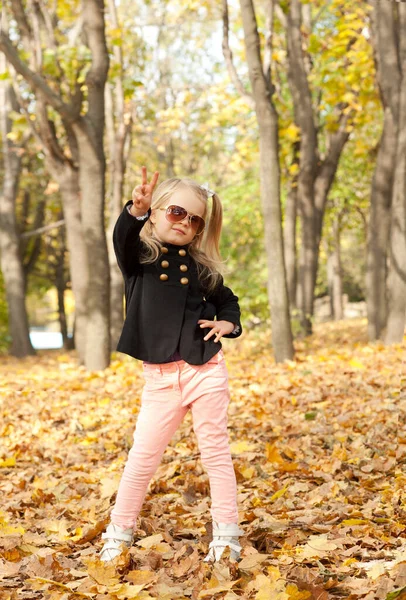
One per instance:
(126, 240)
(227, 307)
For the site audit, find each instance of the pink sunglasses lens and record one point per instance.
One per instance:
(175, 214)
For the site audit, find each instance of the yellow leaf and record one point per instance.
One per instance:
(279, 493)
(102, 572)
(248, 473)
(141, 577)
(78, 534)
(354, 522)
(150, 541)
(240, 447)
(349, 561)
(128, 591)
(252, 561)
(357, 364)
(317, 546)
(269, 588)
(6, 529)
(8, 462)
(272, 454)
(296, 594)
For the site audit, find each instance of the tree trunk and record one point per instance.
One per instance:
(385, 37)
(290, 244)
(336, 293)
(60, 288)
(68, 179)
(378, 230)
(396, 321)
(11, 260)
(91, 180)
(270, 187)
(118, 126)
(315, 175)
(330, 280)
(93, 325)
(116, 141)
(89, 135)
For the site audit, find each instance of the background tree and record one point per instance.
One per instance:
(262, 91)
(386, 286)
(324, 117)
(10, 251)
(87, 132)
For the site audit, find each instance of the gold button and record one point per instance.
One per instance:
(164, 250)
(163, 277)
(183, 268)
(182, 252)
(184, 280)
(165, 264)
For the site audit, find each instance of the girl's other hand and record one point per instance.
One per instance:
(218, 328)
(142, 194)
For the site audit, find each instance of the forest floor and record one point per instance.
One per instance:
(318, 446)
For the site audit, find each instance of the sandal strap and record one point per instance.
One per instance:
(117, 535)
(224, 544)
(229, 529)
(110, 545)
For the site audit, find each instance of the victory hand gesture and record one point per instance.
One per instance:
(142, 194)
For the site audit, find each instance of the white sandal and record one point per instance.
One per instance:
(224, 534)
(115, 537)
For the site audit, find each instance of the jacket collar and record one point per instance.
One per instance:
(172, 247)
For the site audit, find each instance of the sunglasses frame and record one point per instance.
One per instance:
(188, 214)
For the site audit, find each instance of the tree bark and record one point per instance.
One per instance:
(10, 255)
(335, 273)
(396, 321)
(270, 186)
(385, 38)
(60, 289)
(89, 134)
(118, 127)
(65, 172)
(315, 175)
(85, 135)
(290, 244)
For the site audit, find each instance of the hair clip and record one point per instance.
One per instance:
(206, 188)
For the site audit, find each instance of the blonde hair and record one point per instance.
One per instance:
(204, 248)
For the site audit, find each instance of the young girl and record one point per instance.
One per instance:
(167, 249)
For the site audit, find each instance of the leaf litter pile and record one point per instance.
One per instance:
(318, 447)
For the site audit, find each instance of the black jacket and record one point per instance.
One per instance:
(165, 302)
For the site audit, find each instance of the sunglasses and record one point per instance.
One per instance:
(176, 214)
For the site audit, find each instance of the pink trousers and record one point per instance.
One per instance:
(170, 390)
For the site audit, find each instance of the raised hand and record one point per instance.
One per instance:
(142, 194)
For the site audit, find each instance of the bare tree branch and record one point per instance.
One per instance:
(228, 55)
(40, 230)
(35, 80)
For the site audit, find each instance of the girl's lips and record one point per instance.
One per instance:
(179, 231)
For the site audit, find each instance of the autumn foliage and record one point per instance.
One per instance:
(317, 448)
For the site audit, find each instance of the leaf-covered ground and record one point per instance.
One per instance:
(319, 452)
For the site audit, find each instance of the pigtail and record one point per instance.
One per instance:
(211, 262)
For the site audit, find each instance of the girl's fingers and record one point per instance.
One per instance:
(154, 180)
(206, 337)
(204, 323)
(144, 175)
(213, 332)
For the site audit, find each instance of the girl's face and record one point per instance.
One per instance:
(180, 233)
